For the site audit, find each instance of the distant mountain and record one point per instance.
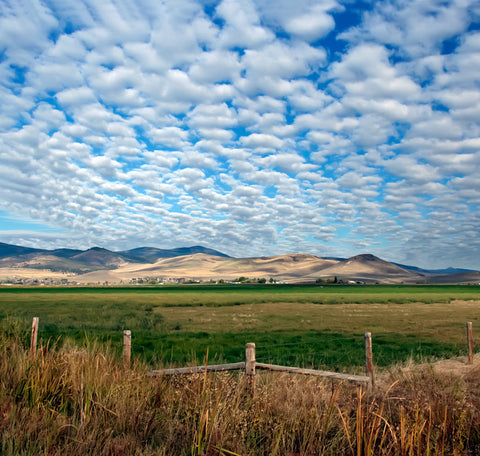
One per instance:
(433, 271)
(65, 253)
(461, 277)
(100, 258)
(8, 250)
(200, 266)
(369, 268)
(98, 265)
(83, 261)
(152, 254)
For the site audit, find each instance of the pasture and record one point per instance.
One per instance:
(307, 326)
(80, 399)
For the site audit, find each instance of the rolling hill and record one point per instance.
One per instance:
(200, 263)
(8, 250)
(81, 261)
(152, 254)
(369, 268)
(202, 266)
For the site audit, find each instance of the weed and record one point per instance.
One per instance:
(81, 400)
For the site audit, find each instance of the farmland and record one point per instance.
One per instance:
(311, 326)
(76, 396)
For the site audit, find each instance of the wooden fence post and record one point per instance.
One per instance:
(250, 365)
(470, 342)
(33, 338)
(127, 347)
(369, 358)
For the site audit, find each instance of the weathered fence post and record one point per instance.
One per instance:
(470, 342)
(33, 338)
(127, 347)
(369, 358)
(250, 365)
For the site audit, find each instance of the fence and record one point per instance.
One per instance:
(250, 365)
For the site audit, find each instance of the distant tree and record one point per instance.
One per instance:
(262, 280)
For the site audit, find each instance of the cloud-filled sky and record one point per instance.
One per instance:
(329, 127)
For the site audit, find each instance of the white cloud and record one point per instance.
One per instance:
(71, 98)
(408, 168)
(259, 140)
(391, 109)
(169, 136)
(439, 126)
(366, 71)
(216, 133)
(304, 19)
(242, 27)
(24, 30)
(312, 25)
(212, 116)
(286, 162)
(194, 159)
(281, 60)
(417, 28)
(241, 125)
(216, 66)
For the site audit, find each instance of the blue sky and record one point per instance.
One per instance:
(328, 127)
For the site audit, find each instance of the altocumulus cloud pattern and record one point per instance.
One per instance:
(256, 127)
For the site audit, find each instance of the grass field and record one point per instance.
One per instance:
(309, 326)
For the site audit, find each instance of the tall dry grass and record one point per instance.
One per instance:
(81, 401)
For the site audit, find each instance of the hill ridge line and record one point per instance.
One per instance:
(199, 263)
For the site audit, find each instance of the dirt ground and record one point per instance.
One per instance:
(454, 367)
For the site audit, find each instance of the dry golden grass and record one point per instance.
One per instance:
(82, 401)
(28, 273)
(203, 267)
(291, 267)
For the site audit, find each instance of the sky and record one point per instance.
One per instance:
(253, 127)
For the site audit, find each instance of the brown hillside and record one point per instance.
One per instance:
(462, 277)
(100, 258)
(47, 263)
(100, 265)
(203, 267)
(369, 268)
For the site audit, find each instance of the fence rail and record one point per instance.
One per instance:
(316, 373)
(197, 369)
(250, 365)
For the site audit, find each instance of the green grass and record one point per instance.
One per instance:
(319, 326)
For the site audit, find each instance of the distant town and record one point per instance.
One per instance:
(48, 281)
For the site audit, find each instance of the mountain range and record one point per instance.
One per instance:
(199, 263)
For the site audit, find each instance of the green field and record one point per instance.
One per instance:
(311, 326)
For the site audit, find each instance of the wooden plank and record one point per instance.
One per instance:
(369, 358)
(317, 373)
(470, 342)
(250, 365)
(197, 369)
(33, 338)
(127, 347)
(271, 367)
